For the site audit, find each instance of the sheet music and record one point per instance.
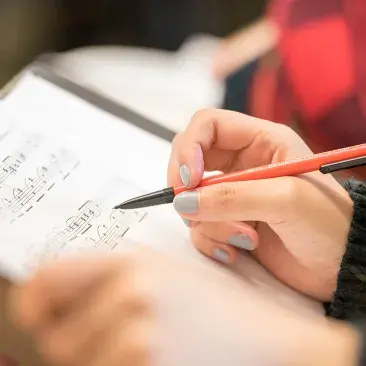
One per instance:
(36, 174)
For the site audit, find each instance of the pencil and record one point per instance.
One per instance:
(326, 163)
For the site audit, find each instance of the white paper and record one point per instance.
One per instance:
(65, 164)
(168, 87)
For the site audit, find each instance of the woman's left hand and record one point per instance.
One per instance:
(150, 309)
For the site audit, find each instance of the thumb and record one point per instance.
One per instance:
(269, 200)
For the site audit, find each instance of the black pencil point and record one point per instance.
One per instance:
(162, 197)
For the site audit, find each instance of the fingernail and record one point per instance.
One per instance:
(186, 203)
(185, 174)
(242, 242)
(222, 255)
(187, 222)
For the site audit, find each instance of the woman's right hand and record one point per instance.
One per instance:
(296, 227)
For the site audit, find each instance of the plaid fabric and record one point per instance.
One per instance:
(315, 80)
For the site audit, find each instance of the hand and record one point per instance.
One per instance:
(296, 227)
(149, 309)
(244, 46)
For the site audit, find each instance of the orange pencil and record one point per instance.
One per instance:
(328, 162)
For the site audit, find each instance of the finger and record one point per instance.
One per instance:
(116, 301)
(220, 133)
(269, 200)
(53, 289)
(224, 253)
(179, 172)
(190, 224)
(237, 234)
(174, 176)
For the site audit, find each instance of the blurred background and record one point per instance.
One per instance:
(28, 28)
(296, 62)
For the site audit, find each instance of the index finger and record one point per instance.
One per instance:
(212, 138)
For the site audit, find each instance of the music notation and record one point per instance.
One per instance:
(94, 227)
(108, 234)
(12, 163)
(76, 226)
(35, 188)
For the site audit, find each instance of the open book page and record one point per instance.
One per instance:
(65, 164)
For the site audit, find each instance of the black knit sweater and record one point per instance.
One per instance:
(349, 300)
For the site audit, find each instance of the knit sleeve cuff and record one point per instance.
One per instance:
(349, 300)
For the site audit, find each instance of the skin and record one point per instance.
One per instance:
(301, 223)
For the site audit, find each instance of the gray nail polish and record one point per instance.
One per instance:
(222, 255)
(242, 242)
(187, 222)
(185, 174)
(186, 203)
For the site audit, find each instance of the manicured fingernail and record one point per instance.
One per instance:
(186, 203)
(185, 174)
(222, 255)
(242, 242)
(187, 222)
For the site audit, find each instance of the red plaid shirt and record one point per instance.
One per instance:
(316, 80)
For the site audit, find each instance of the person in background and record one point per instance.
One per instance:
(150, 308)
(304, 65)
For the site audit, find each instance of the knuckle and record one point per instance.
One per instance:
(225, 196)
(176, 140)
(290, 191)
(289, 194)
(202, 114)
(284, 130)
(281, 131)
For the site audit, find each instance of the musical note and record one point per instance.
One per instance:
(76, 226)
(109, 234)
(94, 227)
(35, 188)
(11, 164)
